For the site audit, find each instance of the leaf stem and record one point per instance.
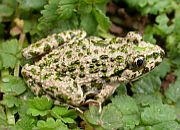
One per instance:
(21, 41)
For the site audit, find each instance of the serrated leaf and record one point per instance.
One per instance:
(126, 104)
(91, 27)
(39, 106)
(173, 91)
(9, 50)
(94, 1)
(162, 21)
(162, 69)
(101, 19)
(111, 118)
(177, 109)
(147, 85)
(32, 4)
(3, 118)
(157, 113)
(25, 123)
(12, 85)
(130, 121)
(67, 8)
(169, 125)
(10, 101)
(92, 115)
(67, 120)
(145, 100)
(61, 112)
(51, 124)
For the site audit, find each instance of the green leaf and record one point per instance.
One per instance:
(92, 115)
(9, 50)
(67, 8)
(91, 27)
(162, 21)
(51, 124)
(130, 121)
(3, 118)
(125, 104)
(12, 85)
(94, 1)
(5, 11)
(101, 19)
(50, 22)
(25, 123)
(169, 125)
(147, 85)
(32, 4)
(157, 113)
(39, 106)
(68, 120)
(177, 109)
(10, 101)
(162, 69)
(111, 118)
(145, 100)
(173, 91)
(62, 112)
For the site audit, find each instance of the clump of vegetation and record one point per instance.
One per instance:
(152, 102)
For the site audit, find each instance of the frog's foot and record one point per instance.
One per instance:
(95, 103)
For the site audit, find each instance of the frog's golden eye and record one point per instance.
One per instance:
(139, 61)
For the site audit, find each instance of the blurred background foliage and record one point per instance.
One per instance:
(151, 103)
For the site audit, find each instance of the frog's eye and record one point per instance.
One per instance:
(139, 62)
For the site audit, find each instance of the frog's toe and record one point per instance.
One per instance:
(92, 102)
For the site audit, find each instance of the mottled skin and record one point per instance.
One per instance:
(77, 69)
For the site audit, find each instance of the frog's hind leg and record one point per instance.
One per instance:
(107, 91)
(32, 75)
(45, 45)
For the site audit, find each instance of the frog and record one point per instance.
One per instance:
(77, 69)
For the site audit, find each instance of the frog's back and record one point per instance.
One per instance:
(89, 67)
(82, 67)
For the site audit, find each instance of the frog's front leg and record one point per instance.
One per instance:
(47, 44)
(31, 74)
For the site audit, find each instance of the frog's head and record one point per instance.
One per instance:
(142, 57)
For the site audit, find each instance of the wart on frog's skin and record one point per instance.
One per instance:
(76, 69)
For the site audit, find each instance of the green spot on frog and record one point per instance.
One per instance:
(47, 47)
(119, 59)
(94, 60)
(140, 49)
(103, 57)
(71, 68)
(155, 55)
(81, 75)
(59, 39)
(96, 85)
(69, 54)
